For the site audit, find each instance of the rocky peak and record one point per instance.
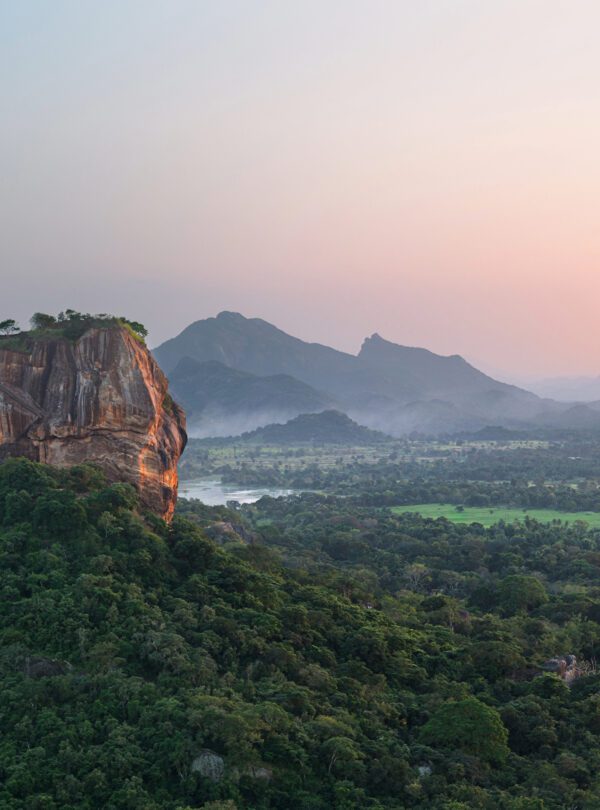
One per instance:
(98, 399)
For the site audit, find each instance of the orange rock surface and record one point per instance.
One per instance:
(101, 399)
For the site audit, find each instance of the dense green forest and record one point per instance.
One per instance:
(328, 427)
(311, 652)
(563, 459)
(560, 474)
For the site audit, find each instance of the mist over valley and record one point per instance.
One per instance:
(234, 374)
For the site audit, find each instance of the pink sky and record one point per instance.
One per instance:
(429, 170)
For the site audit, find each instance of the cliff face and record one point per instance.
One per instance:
(102, 400)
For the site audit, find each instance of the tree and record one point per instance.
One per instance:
(136, 326)
(8, 327)
(339, 752)
(40, 320)
(519, 592)
(469, 725)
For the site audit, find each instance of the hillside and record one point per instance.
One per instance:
(413, 372)
(223, 401)
(394, 388)
(328, 427)
(145, 667)
(254, 346)
(257, 347)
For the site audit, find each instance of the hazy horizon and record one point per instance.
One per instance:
(425, 171)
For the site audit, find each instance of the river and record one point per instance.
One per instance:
(213, 492)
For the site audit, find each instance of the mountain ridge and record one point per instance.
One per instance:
(386, 386)
(222, 401)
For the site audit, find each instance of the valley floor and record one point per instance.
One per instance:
(487, 516)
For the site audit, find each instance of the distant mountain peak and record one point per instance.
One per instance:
(377, 386)
(376, 343)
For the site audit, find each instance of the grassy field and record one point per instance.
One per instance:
(487, 516)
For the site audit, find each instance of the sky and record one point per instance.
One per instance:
(427, 170)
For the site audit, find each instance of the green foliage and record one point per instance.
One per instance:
(327, 427)
(492, 481)
(8, 327)
(137, 329)
(71, 324)
(470, 726)
(519, 592)
(488, 516)
(40, 320)
(341, 657)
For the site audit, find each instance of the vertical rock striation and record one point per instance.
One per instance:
(101, 399)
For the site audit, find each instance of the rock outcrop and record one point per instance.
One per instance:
(100, 399)
(209, 765)
(565, 667)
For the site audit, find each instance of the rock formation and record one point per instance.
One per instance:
(565, 667)
(209, 765)
(100, 399)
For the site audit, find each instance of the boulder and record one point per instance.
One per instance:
(209, 765)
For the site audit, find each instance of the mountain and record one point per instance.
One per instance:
(257, 347)
(252, 345)
(578, 417)
(442, 392)
(97, 397)
(328, 427)
(413, 372)
(381, 368)
(223, 401)
(386, 386)
(398, 389)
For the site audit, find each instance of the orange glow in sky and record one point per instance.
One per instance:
(429, 170)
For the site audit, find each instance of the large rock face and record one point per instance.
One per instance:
(102, 400)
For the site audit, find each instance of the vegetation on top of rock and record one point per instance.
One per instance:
(8, 327)
(70, 324)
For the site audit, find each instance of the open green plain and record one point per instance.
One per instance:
(488, 515)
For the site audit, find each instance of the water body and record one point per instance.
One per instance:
(213, 492)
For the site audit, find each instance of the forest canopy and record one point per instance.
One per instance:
(326, 656)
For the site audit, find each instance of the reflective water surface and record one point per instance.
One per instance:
(213, 492)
